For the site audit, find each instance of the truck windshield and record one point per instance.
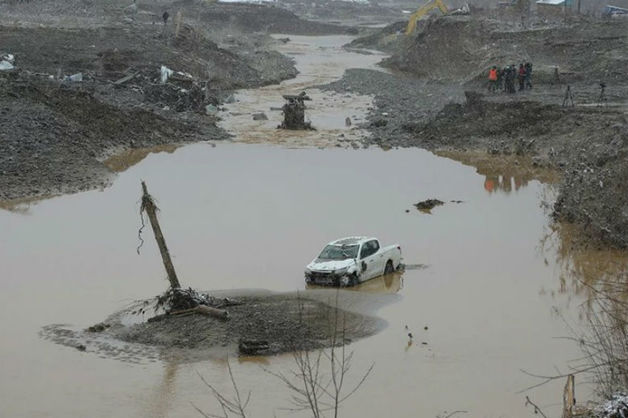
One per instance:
(337, 252)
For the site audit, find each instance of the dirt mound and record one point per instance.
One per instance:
(286, 323)
(384, 39)
(480, 119)
(448, 48)
(283, 322)
(462, 48)
(264, 18)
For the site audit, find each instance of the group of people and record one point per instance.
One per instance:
(505, 78)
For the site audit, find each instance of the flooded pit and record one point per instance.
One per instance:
(489, 279)
(251, 216)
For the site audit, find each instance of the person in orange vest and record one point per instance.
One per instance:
(492, 79)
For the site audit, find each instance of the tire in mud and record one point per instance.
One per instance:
(353, 280)
(389, 267)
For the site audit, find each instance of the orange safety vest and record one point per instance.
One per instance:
(492, 74)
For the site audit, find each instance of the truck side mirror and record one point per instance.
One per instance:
(363, 266)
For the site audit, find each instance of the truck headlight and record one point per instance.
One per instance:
(340, 272)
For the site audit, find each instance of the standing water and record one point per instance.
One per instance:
(486, 303)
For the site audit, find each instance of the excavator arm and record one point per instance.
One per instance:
(425, 9)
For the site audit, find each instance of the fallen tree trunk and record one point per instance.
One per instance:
(149, 206)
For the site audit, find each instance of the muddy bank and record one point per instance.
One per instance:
(53, 136)
(399, 100)
(285, 322)
(588, 145)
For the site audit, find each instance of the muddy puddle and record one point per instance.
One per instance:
(487, 291)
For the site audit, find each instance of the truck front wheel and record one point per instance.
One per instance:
(353, 280)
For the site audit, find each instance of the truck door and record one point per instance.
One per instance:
(369, 262)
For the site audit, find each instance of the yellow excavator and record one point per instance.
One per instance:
(428, 7)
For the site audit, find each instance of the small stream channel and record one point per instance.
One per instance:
(490, 298)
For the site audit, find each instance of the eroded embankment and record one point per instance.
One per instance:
(463, 48)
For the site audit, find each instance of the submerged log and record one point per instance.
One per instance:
(200, 309)
(253, 347)
(203, 310)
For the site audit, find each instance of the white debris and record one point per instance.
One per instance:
(7, 62)
(247, 1)
(131, 9)
(617, 406)
(165, 74)
(74, 77)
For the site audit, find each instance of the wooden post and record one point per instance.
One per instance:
(178, 20)
(149, 206)
(569, 397)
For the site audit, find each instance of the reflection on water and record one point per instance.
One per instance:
(504, 183)
(503, 173)
(122, 161)
(21, 206)
(585, 268)
(164, 393)
(387, 283)
(599, 276)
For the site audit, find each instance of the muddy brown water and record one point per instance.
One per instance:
(486, 279)
(318, 63)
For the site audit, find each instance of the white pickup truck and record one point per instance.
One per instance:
(350, 261)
